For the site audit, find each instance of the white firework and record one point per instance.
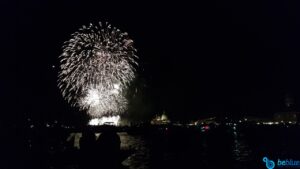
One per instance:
(97, 65)
(109, 101)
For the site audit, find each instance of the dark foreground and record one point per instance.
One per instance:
(237, 147)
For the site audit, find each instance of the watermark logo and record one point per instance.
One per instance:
(288, 163)
(270, 164)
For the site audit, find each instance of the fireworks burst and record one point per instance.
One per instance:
(96, 67)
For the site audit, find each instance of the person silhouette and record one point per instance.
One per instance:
(87, 145)
(108, 145)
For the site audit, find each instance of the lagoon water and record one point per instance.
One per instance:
(239, 147)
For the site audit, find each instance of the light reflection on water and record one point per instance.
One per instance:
(140, 158)
(241, 151)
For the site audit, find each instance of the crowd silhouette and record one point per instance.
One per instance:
(103, 152)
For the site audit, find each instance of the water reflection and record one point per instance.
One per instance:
(139, 159)
(239, 148)
(241, 151)
(140, 148)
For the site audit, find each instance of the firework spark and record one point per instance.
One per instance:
(96, 67)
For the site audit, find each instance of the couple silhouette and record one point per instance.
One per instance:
(103, 152)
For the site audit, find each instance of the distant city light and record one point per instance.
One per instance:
(206, 127)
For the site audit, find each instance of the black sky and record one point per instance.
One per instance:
(197, 59)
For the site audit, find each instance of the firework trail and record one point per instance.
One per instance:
(96, 67)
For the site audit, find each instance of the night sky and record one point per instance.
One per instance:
(196, 59)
